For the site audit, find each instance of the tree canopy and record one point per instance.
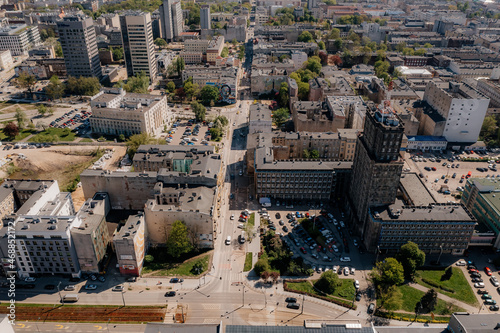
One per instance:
(280, 116)
(55, 88)
(305, 36)
(209, 93)
(11, 130)
(85, 86)
(178, 242)
(389, 272)
(138, 83)
(328, 282)
(160, 42)
(199, 111)
(410, 257)
(26, 81)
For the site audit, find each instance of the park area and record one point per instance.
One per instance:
(89, 313)
(191, 267)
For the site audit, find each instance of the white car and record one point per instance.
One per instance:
(335, 249)
(479, 285)
(335, 269)
(70, 288)
(117, 288)
(346, 271)
(90, 287)
(353, 270)
(241, 226)
(232, 216)
(29, 279)
(461, 263)
(356, 284)
(345, 259)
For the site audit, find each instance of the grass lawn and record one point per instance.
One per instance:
(457, 282)
(248, 262)
(64, 134)
(410, 298)
(22, 134)
(86, 140)
(182, 269)
(345, 291)
(251, 220)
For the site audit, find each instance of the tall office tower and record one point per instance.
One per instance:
(205, 17)
(311, 4)
(377, 165)
(79, 46)
(171, 19)
(138, 47)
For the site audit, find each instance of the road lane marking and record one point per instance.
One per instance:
(211, 306)
(98, 327)
(21, 325)
(59, 327)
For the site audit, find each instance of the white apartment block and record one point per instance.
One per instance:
(116, 112)
(19, 38)
(5, 60)
(462, 107)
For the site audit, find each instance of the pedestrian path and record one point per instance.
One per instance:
(469, 308)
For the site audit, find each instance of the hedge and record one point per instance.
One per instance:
(330, 299)
(409, 317)
(437, 285)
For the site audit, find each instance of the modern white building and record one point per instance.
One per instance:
(462, 107)
(5, 60)
(19, 38)
(138, 44)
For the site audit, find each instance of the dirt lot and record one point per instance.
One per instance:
(63, 163)
(75, 313)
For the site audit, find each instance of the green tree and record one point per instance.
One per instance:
(280, 116)
(321, 45)
(381, 67)
(191, 90)
(149, 258)
(209, 93)
(122, 138)
(305, 36)
(26, 81)
(11, 130)
(138, 83)
(170, 86)
(284, 96)
(427, 45)
(197, 268)
(180, 65)
(334, 34)
(303, 90)
(84, 86)
(117, 53)
(314, 154)
(178, 242)
(262, 265)
(21, 118)
(306, 154)
(401, 46)
(225, 52)
(55, 88)
(428, 301)
(160, 42)
(43, 34)
(42, 109)
(283, 57)
(411, 257)
(388, 273)
(489, 127)
(134, 141)
(199, 111)
(314, 65)
(216, 134)
(328, 282)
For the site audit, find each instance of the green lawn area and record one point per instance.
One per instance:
(182, 269)
(457, 282)
(22, 134)
(251, 220)
(86, 140)
(54, 134)
(345, 291)
(409, 297)
(248, 262)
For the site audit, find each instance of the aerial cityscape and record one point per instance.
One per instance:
(255, 166)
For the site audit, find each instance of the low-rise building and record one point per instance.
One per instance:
(480, 197)
(183, 159)
(130, 244)
(199, 50)
(259, 120)
(19, 38)
(491, 89)
(116, 112)
(317, 117)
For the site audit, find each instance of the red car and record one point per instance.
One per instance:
(473, 271)
(303, 250)
(487, 270)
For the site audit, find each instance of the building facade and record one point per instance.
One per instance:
(116, 112)
(205, 17)
(78, 41)
(131, 244)
(138, 44)
(377, 167)
(171, 19)
(19, 38)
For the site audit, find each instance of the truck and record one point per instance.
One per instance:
(265, 202)
(70, 298)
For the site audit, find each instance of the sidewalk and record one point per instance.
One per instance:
(465, 306)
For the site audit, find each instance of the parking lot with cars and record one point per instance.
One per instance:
(188, 132)
(75, 119)
(485, 281)
(446, 174)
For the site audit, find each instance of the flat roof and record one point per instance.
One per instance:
(435, 213)
(489, 189)
(415, 189)
(483, 322)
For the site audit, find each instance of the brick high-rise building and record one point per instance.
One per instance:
(377, 165)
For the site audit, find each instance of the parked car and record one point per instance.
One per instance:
(356, 284)
(117, 288)
(487, 270)
(291, 300)
(371, 308)
(294, 306)
(70, 288)
(90, 287)
(170, 294)
(176, 280)
(345, 259)
(479, 285)
(494, 307)
(29, 279)
(461, 263)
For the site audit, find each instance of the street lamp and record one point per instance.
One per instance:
(378, 252)
(107, 325)
(38, 330)
(59, 291)
(123, 299)
(440, 253)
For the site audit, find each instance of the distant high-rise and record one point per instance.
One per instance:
(138, 47)
(312, 4)
(79, 46)
(205, 17)
(377, 165)
(171, 19)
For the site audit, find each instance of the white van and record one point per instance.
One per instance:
(70, 298)
(228, 240)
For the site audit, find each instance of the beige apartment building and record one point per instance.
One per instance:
(116, 112)
(199, 50)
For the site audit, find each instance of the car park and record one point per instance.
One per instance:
(49, 287)
(494, 307)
